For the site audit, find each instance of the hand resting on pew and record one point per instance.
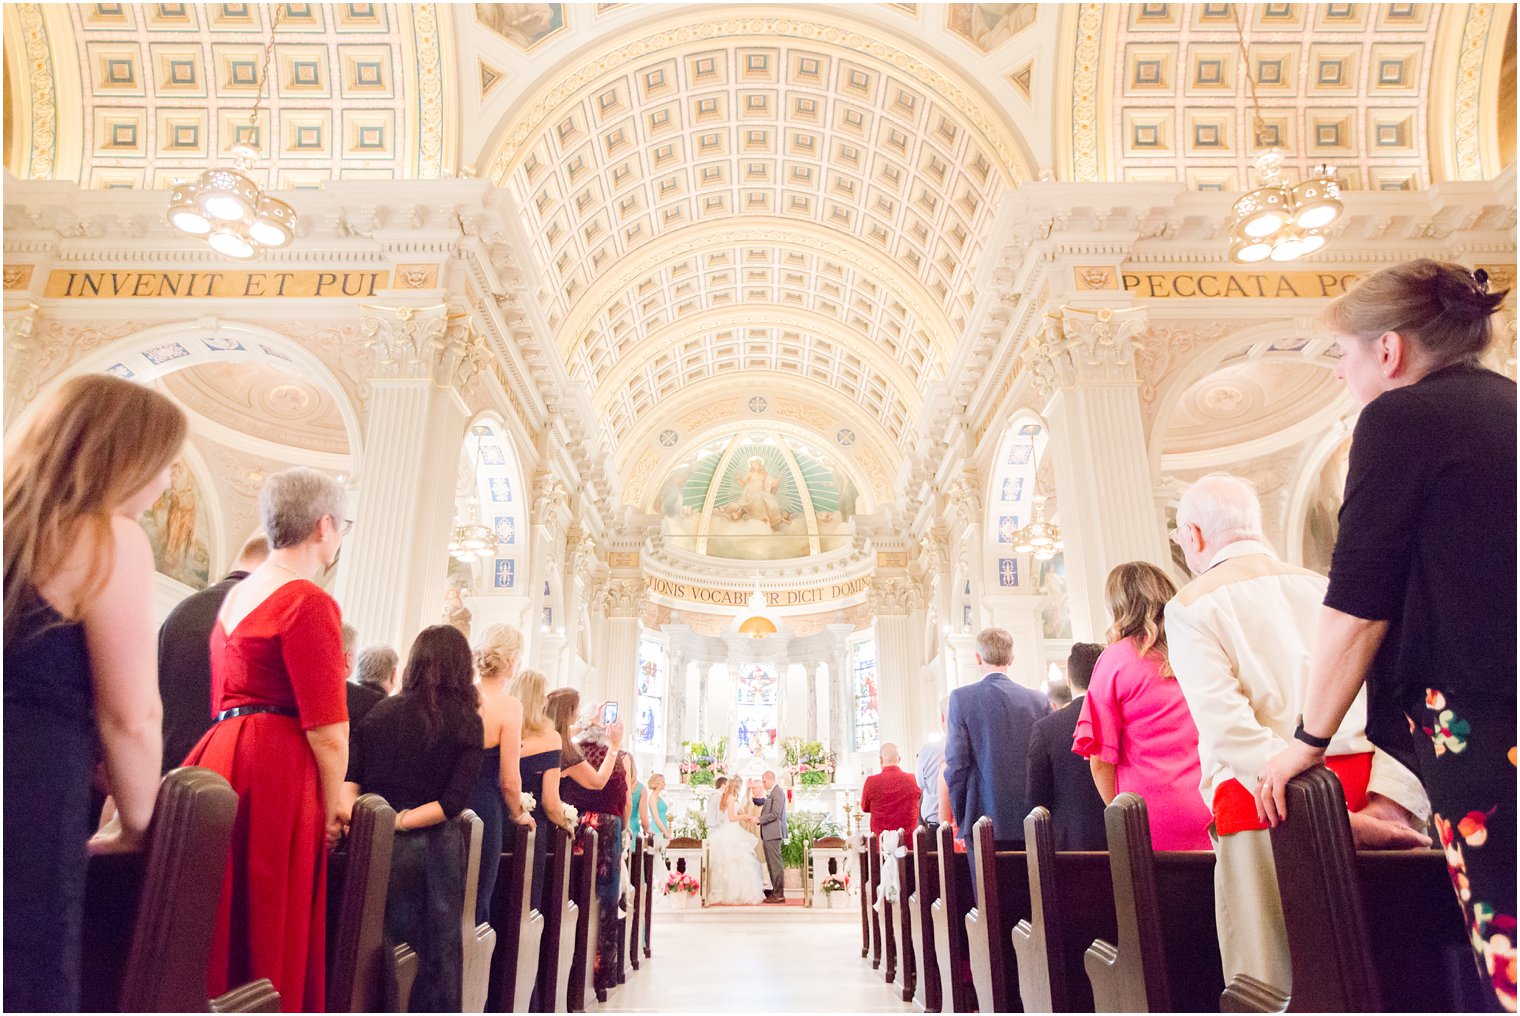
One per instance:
(1385, 825)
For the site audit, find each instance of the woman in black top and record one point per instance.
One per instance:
(1421, 604)
(421, 751)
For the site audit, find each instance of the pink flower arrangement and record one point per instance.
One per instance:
(680, 883)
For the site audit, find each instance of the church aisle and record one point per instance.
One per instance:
(751, 959)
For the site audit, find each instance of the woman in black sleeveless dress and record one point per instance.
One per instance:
(78, 577)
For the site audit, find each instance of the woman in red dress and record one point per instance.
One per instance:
(281, 739)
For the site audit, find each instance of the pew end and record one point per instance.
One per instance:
(519, 927)
(478, 941)
(957, 992)
(1001, 888)
(256, 996)
(925, 894)
(1245, 993)
(359, 883)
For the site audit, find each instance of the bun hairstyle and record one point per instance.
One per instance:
(1443, 308)
(499, 649)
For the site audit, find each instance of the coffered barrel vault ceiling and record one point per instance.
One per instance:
(802, 193)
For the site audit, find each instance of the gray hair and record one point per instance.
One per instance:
(995, 646)
(377, 665)
(350, 637)
(1223, 506)
(293, 501)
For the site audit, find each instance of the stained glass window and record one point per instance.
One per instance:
(649, 696)
(867, 702)
(757, 713)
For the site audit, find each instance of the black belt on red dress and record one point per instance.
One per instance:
(231, 714)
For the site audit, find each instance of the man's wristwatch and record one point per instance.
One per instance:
(1303, 735)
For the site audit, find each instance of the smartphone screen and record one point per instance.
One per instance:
(609, 713)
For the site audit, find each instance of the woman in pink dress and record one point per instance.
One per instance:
(1135, 727)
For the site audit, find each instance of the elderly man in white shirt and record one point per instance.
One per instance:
(1240, 637)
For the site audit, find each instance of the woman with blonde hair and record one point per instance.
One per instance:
(1135, 728)
(539, 767)
(500, 782)
(1421, 605)
(80, 660)
(280, 737)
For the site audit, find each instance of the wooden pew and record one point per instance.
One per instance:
(1001, 886)
(149, 917)
(884, 911)
(639, 896)
(948, 915)
(907, 955)
(1071, 900)
(582, 970)
(479, 939)
(1167, 957)
(863, 866)
(519, 927)
(561, 916)
(920, 902)
(1367, 930)
(650, 896)
(358, 880)
(870, 887)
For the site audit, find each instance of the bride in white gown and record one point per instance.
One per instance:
(734, 874)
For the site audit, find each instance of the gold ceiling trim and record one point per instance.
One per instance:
(1469, 90)
(573, 87)
(43, 130)
(1085, 93)
(765, 232)
(427, 33)
(671, 336)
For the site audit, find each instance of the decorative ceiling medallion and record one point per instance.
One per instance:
(757, 404)
(490, 77)
(668, 438)
(1023, 80)
(845, 437)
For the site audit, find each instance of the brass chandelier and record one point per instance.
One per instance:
(1277, 221)
(1040, 538)
(225, 207)
(471, 538)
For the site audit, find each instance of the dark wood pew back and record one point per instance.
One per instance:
(358, 881)
(1071, 901)
(519, 927)
(149, 917)
(561, 915)
(948, 914)
(651, 895)
(872, 887)
(578, 987)
(907, 956)
(638, 895)
(1001, 885)
(886, 911)
(921, 918)
(1368, 930)
(863, 866)
(479, 939)
(1167, 957)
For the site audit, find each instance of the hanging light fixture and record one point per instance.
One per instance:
(1040, 538)
(225, 207)
(471, 538)
(1274, 220)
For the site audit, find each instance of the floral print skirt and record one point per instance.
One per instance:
(1465, 746)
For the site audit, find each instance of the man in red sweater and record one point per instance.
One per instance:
(891, 796)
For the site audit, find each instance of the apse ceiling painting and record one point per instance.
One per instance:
(758, 497)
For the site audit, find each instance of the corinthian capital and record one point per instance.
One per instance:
(895, 595)
(549, 495)
(624, 597)
(966, 498)
(425, 343)
(1078, 346)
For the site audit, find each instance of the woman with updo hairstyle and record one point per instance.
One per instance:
(280, 737)
(1421, 605)
(500, 782)
(81, 662)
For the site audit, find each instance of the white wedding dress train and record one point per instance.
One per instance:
(734, 874)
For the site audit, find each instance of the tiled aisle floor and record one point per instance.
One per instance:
(756, 959)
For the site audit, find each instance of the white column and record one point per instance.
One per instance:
(675, 691)
(842, 699)
(625, 602)
(893, 601)
(1083, 360)
(398, 550)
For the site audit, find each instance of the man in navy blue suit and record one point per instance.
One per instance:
(987, 745)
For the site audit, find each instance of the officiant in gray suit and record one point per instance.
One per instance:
(772, 832)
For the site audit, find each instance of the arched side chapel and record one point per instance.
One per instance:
(746, 335)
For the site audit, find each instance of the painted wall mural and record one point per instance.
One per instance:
(758, 497)
(178, 530)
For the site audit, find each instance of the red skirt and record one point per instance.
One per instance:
(272, 920)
